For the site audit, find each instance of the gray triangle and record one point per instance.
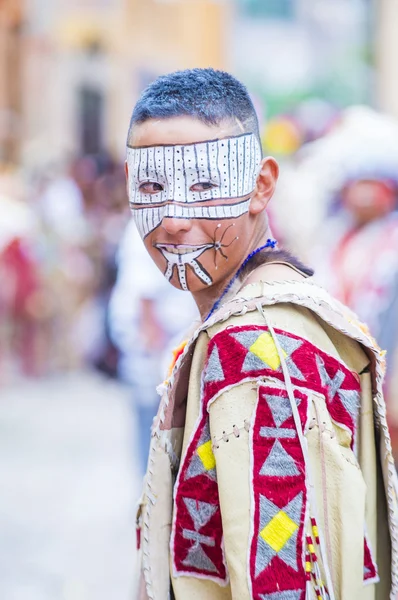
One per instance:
(214, 371)
(284, 595)
(264, 555)
(293, 509)
(253, 363)
(196, 466)
(279, 463)
(289, 551)
(280, 408)
(198, 559)
(351, 402)
(332, 384)
(268, 510)
(288, 344)
(294, 370)
(247, 338)
(200, 512)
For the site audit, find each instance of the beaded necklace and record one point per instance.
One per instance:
(270, 244)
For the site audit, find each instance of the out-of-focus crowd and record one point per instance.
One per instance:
(342, 189)
(59, 232)
(77, 287)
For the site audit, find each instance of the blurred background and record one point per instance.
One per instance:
(83, 334)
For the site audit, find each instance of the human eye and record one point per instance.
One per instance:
(203, 186)
(150, 187)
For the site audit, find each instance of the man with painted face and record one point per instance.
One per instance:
(271, 434)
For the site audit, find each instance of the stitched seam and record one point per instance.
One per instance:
(236, 431)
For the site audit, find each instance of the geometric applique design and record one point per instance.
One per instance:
(197, 538)
(200, 513)
(333, 384)
(370, 574)
(278, 532)
(280, 408)
(262, 351)
(248, 353)
(351, 400)
(277, 570)
(343, 402)
(290, 345)
(279, 460)
(214, 371)
(202, 461)
(286, 595)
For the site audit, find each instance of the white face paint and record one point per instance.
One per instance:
(206, 180)
(148, 219)
(181, 256)
(229, 166)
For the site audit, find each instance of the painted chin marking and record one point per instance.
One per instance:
(181, 256)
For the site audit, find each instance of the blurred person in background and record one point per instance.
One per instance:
(345, 184)
(147, 319)
(106, 214)
(359, 264)
(82, 210)
(356, 256)
(24, 338)
(66, 264)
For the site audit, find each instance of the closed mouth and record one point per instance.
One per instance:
(181, 248)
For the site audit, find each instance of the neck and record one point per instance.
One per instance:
(206, 299)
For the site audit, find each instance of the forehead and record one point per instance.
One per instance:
(178, 131)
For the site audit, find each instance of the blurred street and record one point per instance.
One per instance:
(68, 490)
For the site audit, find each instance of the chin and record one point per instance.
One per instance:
(193, 284)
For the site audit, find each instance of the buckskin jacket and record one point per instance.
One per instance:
(270, 474)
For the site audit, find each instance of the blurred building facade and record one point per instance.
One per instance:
(86, 61)
(386, 54)
(11, 20)
(71, 69)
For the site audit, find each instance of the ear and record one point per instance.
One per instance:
(265, 185)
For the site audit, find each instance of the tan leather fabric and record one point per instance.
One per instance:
(349, 490)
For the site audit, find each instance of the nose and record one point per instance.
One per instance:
(174, 225)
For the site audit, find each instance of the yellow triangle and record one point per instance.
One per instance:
(205, 452)
(264, 348)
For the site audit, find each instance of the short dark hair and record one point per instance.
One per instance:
(208, 95)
